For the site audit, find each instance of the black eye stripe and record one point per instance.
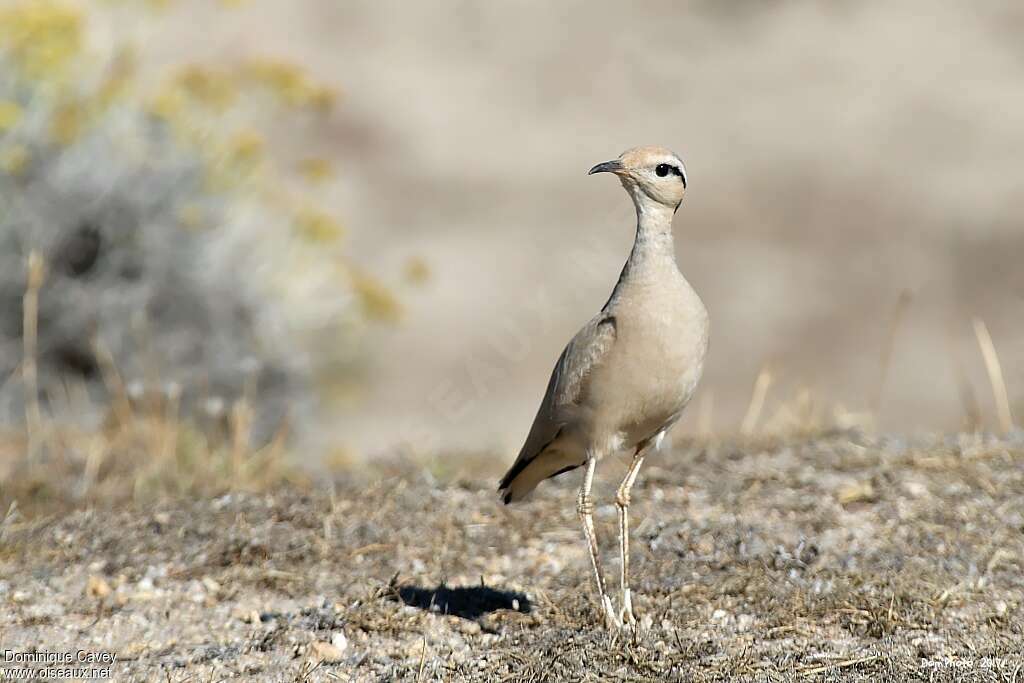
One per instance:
(663, 170)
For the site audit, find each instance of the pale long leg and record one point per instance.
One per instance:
(622, 503)
(586, 509)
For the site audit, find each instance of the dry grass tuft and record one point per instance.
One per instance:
(151, 457)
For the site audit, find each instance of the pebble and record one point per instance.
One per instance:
(325, 652)
(132, 651)
(857, 492)
(466, 627)
(97, 587)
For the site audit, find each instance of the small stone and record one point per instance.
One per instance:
(466, 627)
(859, 492)
(132, 651)
(325, 652)
(145, 590)
(97, 587)
(915, 488)
(734, 585)
(705, 546)
(339, 641)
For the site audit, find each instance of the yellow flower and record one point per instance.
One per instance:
(316, 226)
(290, 83)
(245, 149)
(378, 301)
(316, 170)
(10, 115)
(165, 104)
(205, 86)
(67, 122)
(41, 36)
(416, 270)
(14, 159)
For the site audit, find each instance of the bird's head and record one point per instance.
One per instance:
(649, 174)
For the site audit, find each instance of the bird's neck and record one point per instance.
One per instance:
(653, 257)
(653, 233)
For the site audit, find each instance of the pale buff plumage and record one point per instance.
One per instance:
(625, 378)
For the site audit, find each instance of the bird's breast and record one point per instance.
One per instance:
(657, 360)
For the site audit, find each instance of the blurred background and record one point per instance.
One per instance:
(371, 222)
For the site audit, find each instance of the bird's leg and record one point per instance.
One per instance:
(622, 503)
(586, 509)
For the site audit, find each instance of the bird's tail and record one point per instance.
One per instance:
(525, 474)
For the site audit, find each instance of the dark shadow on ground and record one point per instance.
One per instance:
(468, 602)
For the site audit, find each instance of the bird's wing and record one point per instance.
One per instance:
(587, 349)
(566, 388)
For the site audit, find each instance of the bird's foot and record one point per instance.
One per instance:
(611, 620)
(626, 617)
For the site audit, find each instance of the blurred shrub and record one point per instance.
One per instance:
(170, 247)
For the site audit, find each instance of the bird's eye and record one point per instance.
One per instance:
(663, 170)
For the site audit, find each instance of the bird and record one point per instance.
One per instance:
(626, 376)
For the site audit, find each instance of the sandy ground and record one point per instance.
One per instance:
(843, 557)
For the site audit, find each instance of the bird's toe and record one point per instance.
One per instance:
(611, 619)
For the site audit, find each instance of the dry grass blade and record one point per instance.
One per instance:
(29, 372)
(761, 385)
(995, 374)
(839, 665)
(423, 660)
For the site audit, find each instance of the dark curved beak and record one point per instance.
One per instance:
(607, 167)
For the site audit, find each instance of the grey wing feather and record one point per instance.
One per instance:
(567, 387)
(584, 352)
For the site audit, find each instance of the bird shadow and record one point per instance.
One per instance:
(467, 602)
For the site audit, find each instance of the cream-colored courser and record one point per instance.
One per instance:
(625, 378)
